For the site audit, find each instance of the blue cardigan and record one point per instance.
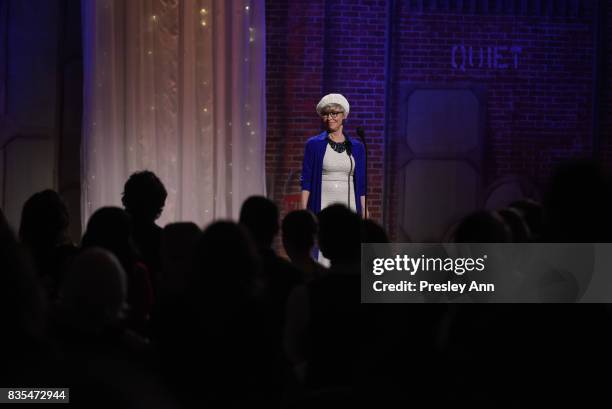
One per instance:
(312, 170)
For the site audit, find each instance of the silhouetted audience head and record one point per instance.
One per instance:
(299, 230)
(177, 247)
(373, 232)
(577, 204)
(144, 196)
(260, 216)
(218, 317)
(226, 259)
(44, 232)
(518, 228)
(482, 227)
(111, 229)
(44, 221)
(340, 234)
(93, 295)
(532, 213)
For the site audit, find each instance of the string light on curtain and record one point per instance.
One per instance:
(179, 89)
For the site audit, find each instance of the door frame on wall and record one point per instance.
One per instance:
(474, 158)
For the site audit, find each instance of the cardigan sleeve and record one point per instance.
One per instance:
(307, 167)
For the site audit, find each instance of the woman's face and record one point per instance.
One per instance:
(332, 118)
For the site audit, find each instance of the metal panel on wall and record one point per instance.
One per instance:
(30, 95)
(32, 69)
(28, 166)
(437, 160)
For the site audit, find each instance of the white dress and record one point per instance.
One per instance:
(336, 187)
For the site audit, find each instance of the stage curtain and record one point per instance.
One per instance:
(178, 88)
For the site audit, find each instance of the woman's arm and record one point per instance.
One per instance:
(364, 210)
(305, 196)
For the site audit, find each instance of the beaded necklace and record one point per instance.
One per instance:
(339, 147)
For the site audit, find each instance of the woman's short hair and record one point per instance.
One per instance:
(144, 195)
(329, 107)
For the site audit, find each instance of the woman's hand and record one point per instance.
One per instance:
(364, 211)
(305, 196)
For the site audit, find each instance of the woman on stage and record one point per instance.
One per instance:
(333, 170)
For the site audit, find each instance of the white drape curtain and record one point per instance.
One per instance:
(176, 87)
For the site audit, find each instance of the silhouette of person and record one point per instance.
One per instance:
(518, 227)
(111, 229)
(532, 213)
(321, 336)
(260, 216)
(373, 232)
(144, 198)
(44, 232)
(577, 204)
(482, 227)
(93, 296)
(23, 313)
(299, 231)
(178, 243)
(216, 328)
(98, 349)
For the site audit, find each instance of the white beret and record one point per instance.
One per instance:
(333, 99)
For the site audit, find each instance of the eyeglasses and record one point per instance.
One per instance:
(332, 115)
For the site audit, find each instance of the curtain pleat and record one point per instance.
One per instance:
(178, 88)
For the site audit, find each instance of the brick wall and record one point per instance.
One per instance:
(294, 48)
(538, 108)
(314, 48)
(354, 66)
(537, 113)
(538, 94)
